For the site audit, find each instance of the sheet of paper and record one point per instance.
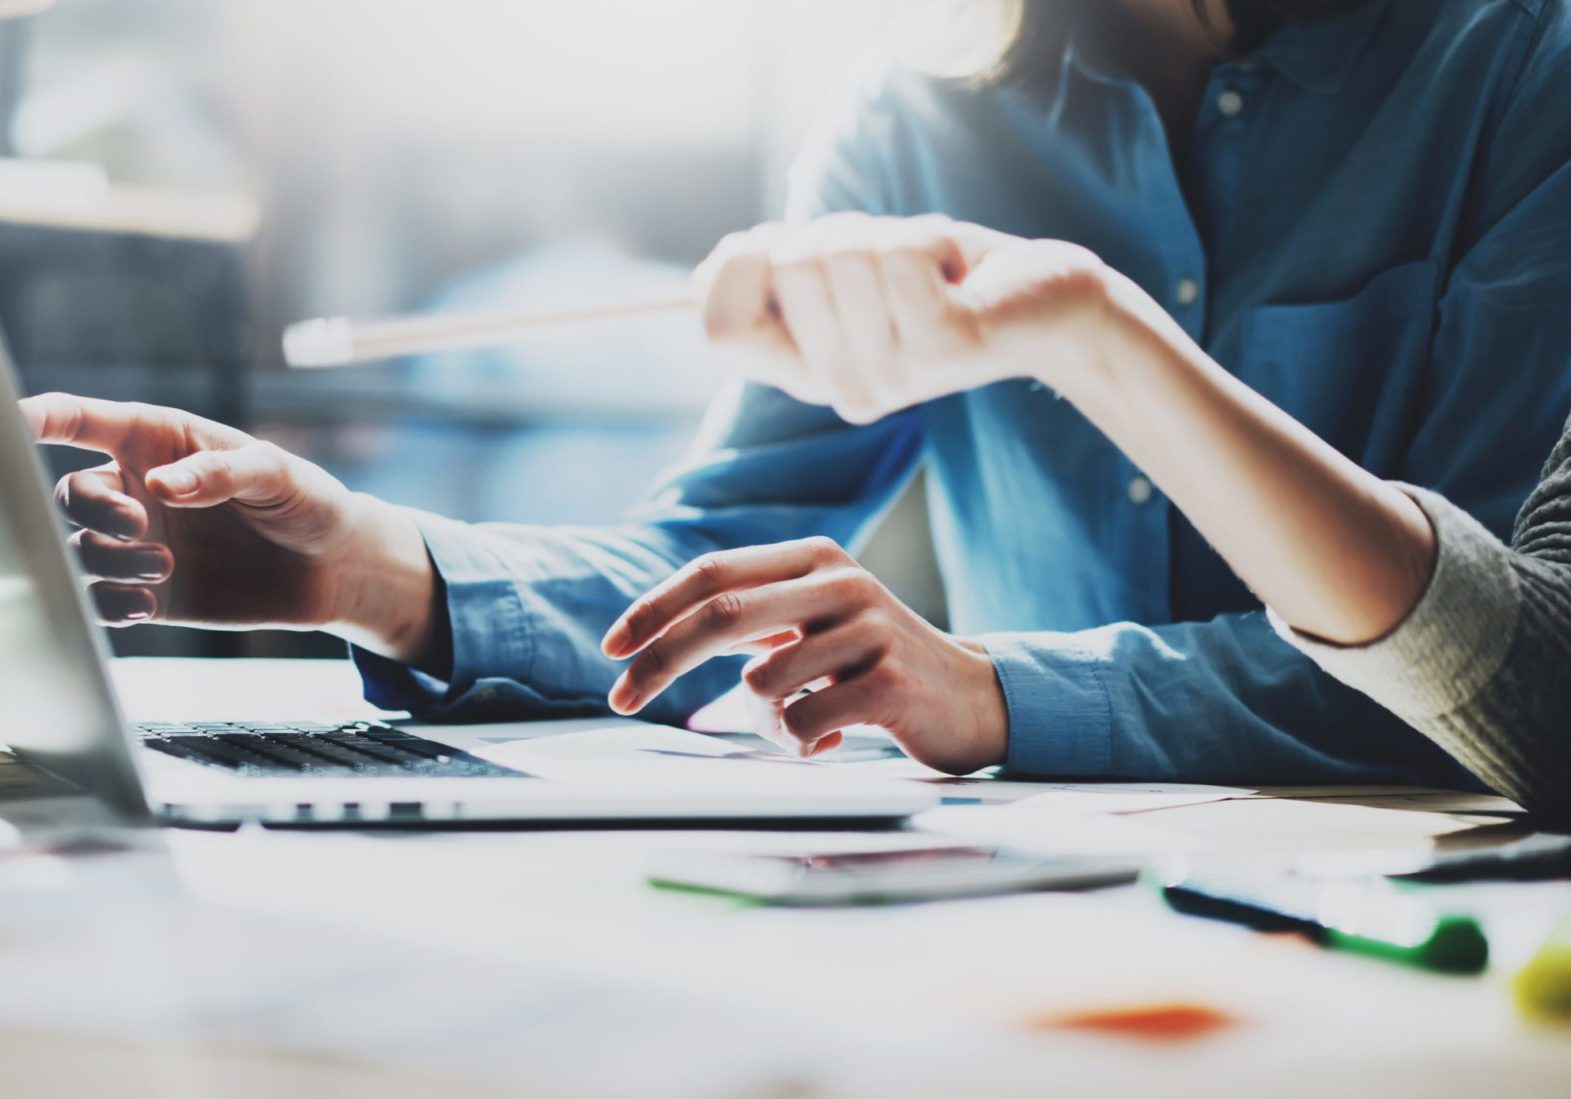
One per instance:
(615, 742)
(1084, 797)
(678, 763)
(1055, 831)
(1271, 825)
(1097, 803)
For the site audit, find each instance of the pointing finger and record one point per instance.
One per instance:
(109, 426)
(715, 628)
(86, 422)
(708, 576)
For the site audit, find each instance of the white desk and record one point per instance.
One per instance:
(538, 963)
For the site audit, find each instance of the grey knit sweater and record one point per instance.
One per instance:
(1483, 664)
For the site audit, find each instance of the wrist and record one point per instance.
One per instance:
(385, 586)
(989, 726)
(1124, 332)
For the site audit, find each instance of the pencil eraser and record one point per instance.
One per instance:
(328, 341)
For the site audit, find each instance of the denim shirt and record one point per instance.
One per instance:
(1370, 225)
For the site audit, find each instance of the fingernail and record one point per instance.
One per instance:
(151, 568)
(615, 641)
(181, 482)
(138, 616)
(624, 698)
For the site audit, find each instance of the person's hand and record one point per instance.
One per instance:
(828, 627)
(196, 523)
(871, 315)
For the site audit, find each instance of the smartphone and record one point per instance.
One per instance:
(886, 877)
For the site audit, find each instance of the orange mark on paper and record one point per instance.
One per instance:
(1174, 1022)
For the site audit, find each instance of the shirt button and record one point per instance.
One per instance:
(1188, 291)
(1230, 103)
(1141, 491)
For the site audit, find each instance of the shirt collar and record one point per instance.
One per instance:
(1317, 53)
(1320, 53)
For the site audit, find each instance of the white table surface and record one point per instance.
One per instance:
(537, 962)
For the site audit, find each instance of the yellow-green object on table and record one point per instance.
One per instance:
(1543, 986)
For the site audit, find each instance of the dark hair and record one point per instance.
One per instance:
(1035, 28)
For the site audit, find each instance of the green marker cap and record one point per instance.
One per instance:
(1455, 944)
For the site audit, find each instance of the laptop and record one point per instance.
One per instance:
(59, 715)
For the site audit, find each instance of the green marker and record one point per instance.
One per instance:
(1366, 917)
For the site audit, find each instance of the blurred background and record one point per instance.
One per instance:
(182, 178)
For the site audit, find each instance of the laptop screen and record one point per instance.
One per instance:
(56, 707)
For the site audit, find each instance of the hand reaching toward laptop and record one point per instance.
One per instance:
(196, 523)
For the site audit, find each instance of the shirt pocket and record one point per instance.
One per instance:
(1351, 370)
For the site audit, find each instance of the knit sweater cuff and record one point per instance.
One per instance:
(1456, 638)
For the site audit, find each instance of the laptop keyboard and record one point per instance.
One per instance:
(297, 748)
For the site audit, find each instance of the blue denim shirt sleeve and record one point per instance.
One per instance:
(1221, 701)
(492, 647)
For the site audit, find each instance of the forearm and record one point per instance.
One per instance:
(1339, 553)
(387, 596)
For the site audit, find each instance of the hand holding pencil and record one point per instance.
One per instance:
(865, 315)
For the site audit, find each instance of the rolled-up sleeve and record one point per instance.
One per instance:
(1453, 643)
(1060, 713)
(492, 648)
